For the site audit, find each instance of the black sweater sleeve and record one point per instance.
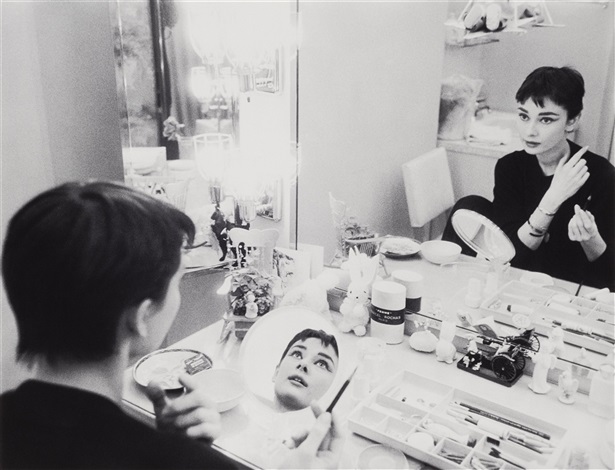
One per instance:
(519, 187)
(511, 199)
(601, 272)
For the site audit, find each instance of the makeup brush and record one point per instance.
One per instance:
(339, 394)
(584, 208)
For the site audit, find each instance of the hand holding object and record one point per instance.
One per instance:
(193, 413)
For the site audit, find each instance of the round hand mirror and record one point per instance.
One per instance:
(292, 356)
(483, 236)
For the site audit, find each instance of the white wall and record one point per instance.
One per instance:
(59, 113)
(369, 87)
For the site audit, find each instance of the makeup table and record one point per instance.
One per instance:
(443, 284)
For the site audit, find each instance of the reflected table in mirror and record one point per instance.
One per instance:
(444, 285)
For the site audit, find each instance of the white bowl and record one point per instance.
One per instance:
(382, 456)
(224, 386)
(440, 252)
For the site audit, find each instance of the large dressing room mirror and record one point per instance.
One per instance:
(358, 84)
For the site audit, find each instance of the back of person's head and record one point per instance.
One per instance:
(325, 338)
(564, 86)
(77, 256)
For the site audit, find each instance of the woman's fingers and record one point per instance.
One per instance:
(312, 442)
(191, 400)
(197, 416)
(205, 430)
(573, 231)
(194, 412)
(584, 217)
(577, 156)
(155, 392)
(582, 225)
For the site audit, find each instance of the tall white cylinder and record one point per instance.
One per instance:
(387, 311)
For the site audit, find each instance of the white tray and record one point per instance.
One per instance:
(405, 403)
(543, 303)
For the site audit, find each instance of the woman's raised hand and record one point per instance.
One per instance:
(568, 178)
(320, 447)
(582, 228)
(582, 225)
(193, 413)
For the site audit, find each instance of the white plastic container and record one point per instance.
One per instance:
(387, 311)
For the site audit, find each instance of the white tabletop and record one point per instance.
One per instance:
(584, 428)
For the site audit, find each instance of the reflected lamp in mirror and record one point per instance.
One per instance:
(249, 180)
(200, 83)
(213, 154)
(483, 236)
(246, 39)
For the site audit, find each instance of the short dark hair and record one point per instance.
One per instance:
(564, 86)
(77, 256)
(324, 337)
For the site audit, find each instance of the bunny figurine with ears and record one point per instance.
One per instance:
(362, 270)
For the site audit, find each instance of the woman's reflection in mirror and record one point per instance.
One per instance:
(306, 370)
(554, 199)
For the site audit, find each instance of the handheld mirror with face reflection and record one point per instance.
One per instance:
(483, 236)
(291, 357)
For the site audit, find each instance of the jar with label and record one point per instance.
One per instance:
(387, 311)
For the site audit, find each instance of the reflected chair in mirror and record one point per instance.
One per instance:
(429, 190)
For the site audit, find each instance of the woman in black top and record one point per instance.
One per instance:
(553, 199)
(92, 273)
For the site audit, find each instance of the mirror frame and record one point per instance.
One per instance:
(489, 225)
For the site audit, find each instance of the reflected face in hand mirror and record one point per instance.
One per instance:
(306, 370)
(483, 236)
(291, 357)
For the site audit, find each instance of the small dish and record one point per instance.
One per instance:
(165, 365)
(381, 456)
(400, 247)
(440, 251)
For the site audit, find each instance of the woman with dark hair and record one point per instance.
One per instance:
(92, 274)
(554, 199)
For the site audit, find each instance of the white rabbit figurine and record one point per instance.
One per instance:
(355, 315)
